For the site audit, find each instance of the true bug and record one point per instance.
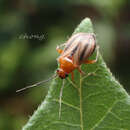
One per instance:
(76, 52)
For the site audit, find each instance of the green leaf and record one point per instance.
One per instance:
(95, 101)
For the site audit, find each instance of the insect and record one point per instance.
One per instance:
(76, 52)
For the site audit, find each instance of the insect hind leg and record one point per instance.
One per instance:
(93, 61)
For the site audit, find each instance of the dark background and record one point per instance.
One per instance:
(29, 33)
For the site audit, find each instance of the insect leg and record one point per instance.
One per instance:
(90, 61)
(62, 45)
(72, 76)
(59, 50)
(93, 61)
(81, 72)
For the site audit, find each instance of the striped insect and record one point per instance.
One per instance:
(76, 52)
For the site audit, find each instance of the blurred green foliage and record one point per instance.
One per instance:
(24, 61)
(10, 56)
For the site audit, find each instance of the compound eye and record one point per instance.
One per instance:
(57, 70)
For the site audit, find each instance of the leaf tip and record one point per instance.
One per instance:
(85, 26)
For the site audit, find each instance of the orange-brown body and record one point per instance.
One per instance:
(76, 52)
(66, 65)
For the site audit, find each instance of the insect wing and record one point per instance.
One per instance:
(85, 47)
(79, 47)
(71, 45)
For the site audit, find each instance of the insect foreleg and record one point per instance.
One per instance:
(59, 50)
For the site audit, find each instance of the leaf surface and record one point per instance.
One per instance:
(95, 101)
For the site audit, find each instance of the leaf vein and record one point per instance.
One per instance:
(93, 94)
(112, 128)
(67, 104)
(115, 115)
(74, 85)
(64, 123)
(108, 111)
(80, 95)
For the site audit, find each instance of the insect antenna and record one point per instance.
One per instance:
(36, 84)
(60, 98)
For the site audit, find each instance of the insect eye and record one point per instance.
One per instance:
(57, 70)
